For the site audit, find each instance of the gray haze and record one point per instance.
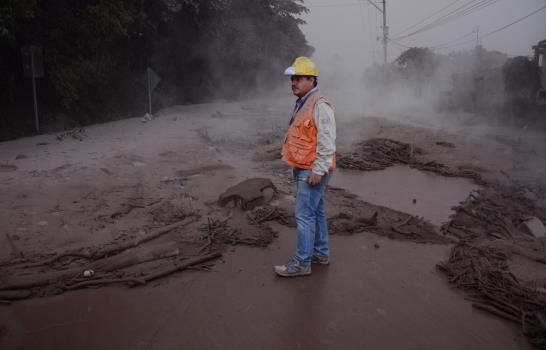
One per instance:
(344, 32)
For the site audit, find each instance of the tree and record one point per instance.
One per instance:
(521, 81)
(418, 65)
(11, 14)
(96, 51)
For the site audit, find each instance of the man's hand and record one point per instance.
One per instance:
(314, 179)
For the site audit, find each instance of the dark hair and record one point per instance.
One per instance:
(315, 82)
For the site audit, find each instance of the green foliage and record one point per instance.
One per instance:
(82, 48)
(12, 13)
(96, 51)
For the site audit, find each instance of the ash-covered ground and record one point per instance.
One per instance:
(127, 206)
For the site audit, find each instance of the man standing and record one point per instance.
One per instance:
(309, 147)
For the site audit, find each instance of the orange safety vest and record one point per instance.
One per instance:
(300, 144)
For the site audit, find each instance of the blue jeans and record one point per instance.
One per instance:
(310, 218)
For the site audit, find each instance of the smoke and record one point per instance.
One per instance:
(462, 85)
(425, 86)
(228, 50)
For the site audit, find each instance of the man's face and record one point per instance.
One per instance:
(301, 85)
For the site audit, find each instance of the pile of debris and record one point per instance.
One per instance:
(352, 215)
(483, 272)
(76, 133)
(247, 211)
(7, 167)
(231, 231)
(267, 213)
(492, 226)
(493, 212)
(411, 228)
(380, 153)
(347, 224)
(248, 194)
(182, 240)
(132, 262)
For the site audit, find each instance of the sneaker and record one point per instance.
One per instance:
(320, 260)
(292, 269)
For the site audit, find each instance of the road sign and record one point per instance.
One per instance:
(33, 67)
(152, 79)
(33, 62)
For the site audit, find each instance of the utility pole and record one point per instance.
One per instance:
(385, 27)
(33, 68)
(477, 36)
(385, 32)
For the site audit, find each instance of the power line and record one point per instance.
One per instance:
(399, 48)
(496, 30)
(458, 9)
(455, 45)
(385, 39)
(446, 45)
(365, 23)
(461, 11)
(474, 9)
(385, 31)
(335, 5)
(428, 17)
(370, 36)
(511, 24)
(376, 32)
(439, 46)
(399, 44)
(371, 39)
(374, 5)
(452, 16)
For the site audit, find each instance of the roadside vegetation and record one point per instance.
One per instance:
(95, 54)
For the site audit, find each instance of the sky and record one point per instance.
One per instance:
(344, 32)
